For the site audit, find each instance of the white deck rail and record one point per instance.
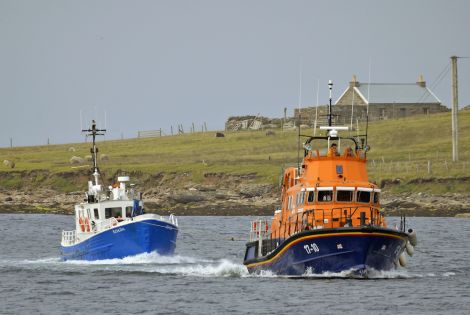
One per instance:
(68, 237)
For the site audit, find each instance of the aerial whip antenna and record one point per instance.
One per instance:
(352, 110)
(368, 101)
(316, 110)
(298, 120)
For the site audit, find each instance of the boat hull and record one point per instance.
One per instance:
(331, 250)
(130, 239)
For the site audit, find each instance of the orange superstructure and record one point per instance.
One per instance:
(329, 219)
(327, 192)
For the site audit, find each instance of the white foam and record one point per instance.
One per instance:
(350, 273)
(448, 274)
(145, 258)
(149, 263)
(222, 268)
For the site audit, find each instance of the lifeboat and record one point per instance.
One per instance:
(330, 218)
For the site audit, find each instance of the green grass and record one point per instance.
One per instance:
(400, 148)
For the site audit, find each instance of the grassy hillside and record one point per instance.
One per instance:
(400, 149)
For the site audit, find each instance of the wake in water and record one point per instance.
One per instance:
(191, 266)
(145, 263)
(347, 274)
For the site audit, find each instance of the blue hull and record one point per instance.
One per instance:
(127, 240)
(330, 250)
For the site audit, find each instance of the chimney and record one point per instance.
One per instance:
(421, 81)
(354, 82)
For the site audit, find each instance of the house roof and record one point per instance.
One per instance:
(388, 93)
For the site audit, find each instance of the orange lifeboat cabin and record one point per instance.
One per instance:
(330, 218)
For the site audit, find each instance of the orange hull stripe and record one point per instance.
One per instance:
(319, 236)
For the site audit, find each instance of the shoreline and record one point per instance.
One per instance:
(234, 195)
(242, 211)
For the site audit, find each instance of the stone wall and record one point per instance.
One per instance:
(376, 112)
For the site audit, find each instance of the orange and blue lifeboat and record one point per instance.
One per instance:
(330, 219)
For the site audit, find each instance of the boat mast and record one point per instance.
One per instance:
(94, 150)
(330, 86)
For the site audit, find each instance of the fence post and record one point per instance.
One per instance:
(429, 167)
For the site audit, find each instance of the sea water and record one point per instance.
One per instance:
(206, 275)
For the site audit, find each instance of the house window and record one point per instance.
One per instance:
(382, 113)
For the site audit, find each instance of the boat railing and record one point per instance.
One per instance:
(173, 220)
(331, 218)
(259, 229)
(105, 224)
(315, 219)
(69, 237)
(260, 233)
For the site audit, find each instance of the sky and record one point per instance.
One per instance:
(151, 64)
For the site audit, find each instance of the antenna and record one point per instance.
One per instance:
(316, 110)
(368, 101)
(94, 150)
(330, 86)
(298, 120)
(352, 111)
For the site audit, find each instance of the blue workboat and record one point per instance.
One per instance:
(112, 223)
(330, 219)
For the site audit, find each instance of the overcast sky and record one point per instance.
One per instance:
(153, 64)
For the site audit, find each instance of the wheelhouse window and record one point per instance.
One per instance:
(363, 196)
(376, 197)
(300, 198)
(128, 211)
(96, 214)
(310, 197)
(344, 195)
(112, 212)
(325, 195)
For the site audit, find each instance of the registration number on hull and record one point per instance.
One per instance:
(311, 248)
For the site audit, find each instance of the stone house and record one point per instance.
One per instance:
(385, 100)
